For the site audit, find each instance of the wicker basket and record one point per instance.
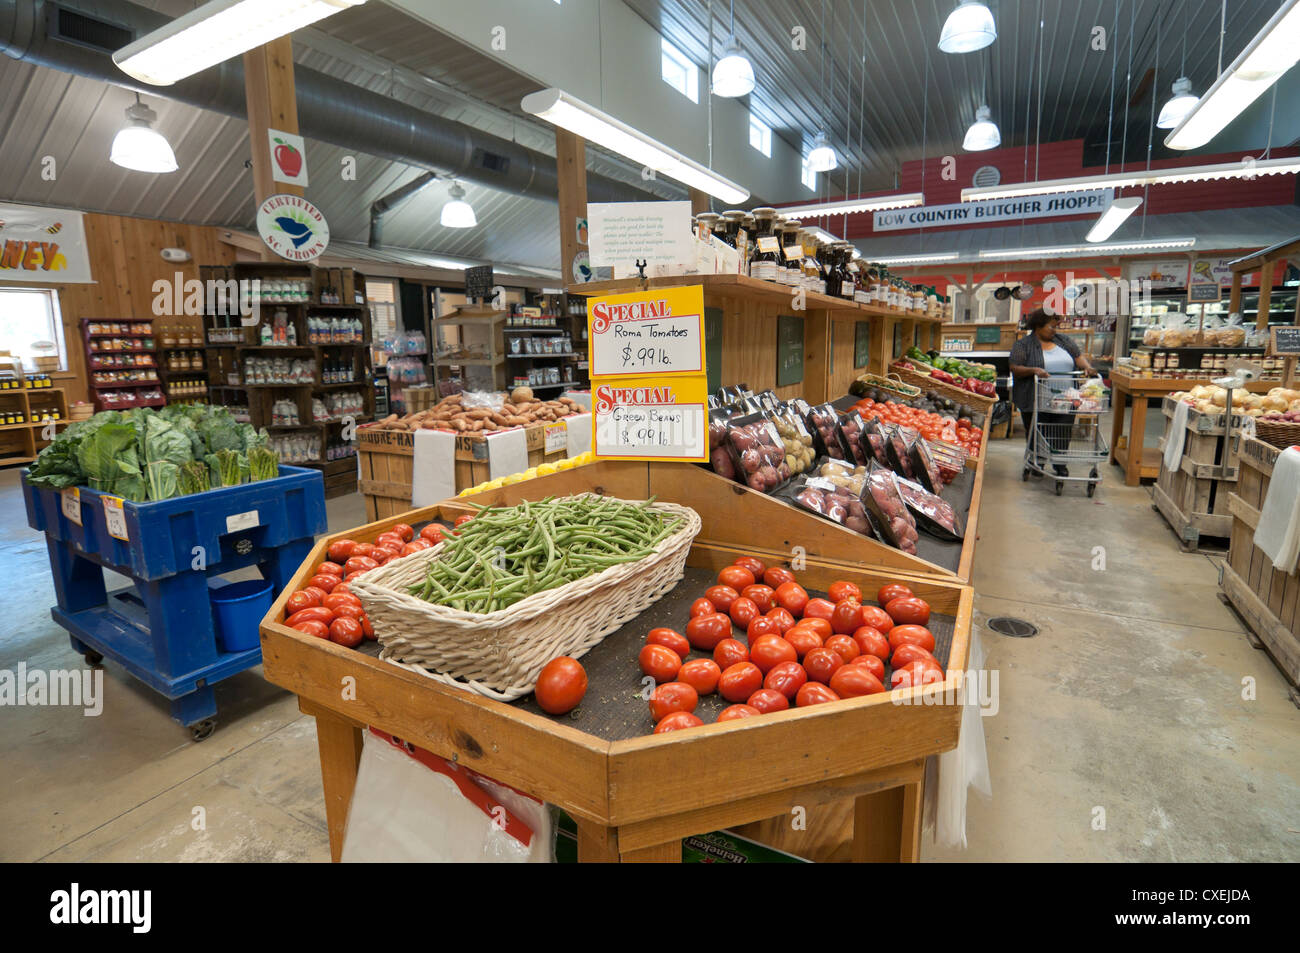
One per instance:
(1280, 434)
(976, 401)
(893, 384)
(500, 654)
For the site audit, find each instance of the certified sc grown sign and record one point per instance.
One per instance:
(293, 228)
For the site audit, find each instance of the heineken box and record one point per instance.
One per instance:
(720, 847)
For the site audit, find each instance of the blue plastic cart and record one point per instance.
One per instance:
(161, 629)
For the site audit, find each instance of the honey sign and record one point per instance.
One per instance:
(42, 244)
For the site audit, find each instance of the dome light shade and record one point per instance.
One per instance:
(140, 147)
(1182, 103)
(458, 213)
(968, 28)
(733, 75)
(822, 158)
(983, 133)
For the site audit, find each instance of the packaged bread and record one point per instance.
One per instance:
(1151, 337)
(1232, 336)
(1173, 337)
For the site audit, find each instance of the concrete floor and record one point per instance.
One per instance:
(1129, 700)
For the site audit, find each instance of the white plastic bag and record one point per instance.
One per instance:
(411, 806)
(949, 776)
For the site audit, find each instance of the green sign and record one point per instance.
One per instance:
(713, 347)
(861, 343)
(988, 335)
(789, 350)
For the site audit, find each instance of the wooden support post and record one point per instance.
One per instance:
(699, 201)
(817, 357)
(1234, 300)
(571, 165)
(272, 104)
(1265, 294)
(882, 342)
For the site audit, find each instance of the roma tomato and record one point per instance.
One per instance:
(329, 568)
(844, 647)
(336, 599)
(367, 629)
(341, 549)
(670, 638)
(768, 700)
(391, 540)
(854, 680)
(908, 610)
(560, 685)
(819, 626)
(755, 566)
(814, 693)
(415, 547)
(792, 597)
(320, 593)
(892, 591)
(743, 611)
(311, 627)
(701, 674)
(737, 577)
(676, 722)
(847, 617)
(462, 520)
(383, 554)
(783, 619)
(841, 590)
(786, 678)
(314, 614)
(761, 596)
(915, 634)
(346, 632)
(913, 674)
(768, 651)
(777, 576)
(732, 712)
(433, 533)
(360, 564)
(871, 663)
(730, 651)
(349, 612)
(758, 627)
(302, 599)
(821, 664)
(740, 681)
(702, 606)
(722, 597)
(659, 662)
(910, 652)
(877, 618)
(706, 631)
(671, 697)
(819, 609)
(803, 640)
(324, 581)
(403, 530)
(361, 549)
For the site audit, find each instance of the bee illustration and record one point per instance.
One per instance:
(55, 228)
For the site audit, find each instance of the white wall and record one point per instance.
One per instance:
(604, 53)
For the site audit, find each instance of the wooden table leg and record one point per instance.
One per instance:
(670, 853)
(596, 844)
(887, 825)
(1137, 435)
(1118, 401)
(339, 741)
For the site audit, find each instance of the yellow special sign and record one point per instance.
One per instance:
(651, 418)
(647, 332)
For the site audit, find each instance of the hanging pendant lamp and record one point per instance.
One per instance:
(983, 132)
(968, 28)
(140, 147)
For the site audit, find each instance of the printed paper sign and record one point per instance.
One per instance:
(288, 157)
(658, 233)
(115, 518)
(647, 332)
(43, 244)
(557, 437)
(1056, 205)
(241, 521)
(292, 227)
(650, 418)
(72, 504)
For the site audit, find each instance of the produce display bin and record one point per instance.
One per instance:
(1193, 495)
(161, 629)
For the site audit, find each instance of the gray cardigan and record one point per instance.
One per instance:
(1028, 352)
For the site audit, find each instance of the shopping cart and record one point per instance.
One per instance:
(1065, 430)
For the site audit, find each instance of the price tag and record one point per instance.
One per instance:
(72, 504)
(115, 517)
(652, 332)
(241, 521)
(557, 437)
(648, 418)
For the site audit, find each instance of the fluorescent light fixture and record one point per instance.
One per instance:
(1273, 51)
(1245, 169)
(217, 31)
(1182, 103)
(968, 28)
(876, 203)
(733, 75)
(458, 213)
(568, 112)
(1113, 218)
(983, 133)
(822, 157)
(917, 259)
(1059, 251)
(821, 234)
(140, 147)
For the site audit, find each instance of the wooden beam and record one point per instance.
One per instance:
(571, 166)
(272, 104)
(699, 201)
(1265, 294)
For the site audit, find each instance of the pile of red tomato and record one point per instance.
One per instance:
(792, 649)
(932, 426)
(327, 608)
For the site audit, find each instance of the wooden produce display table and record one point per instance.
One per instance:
(1192, 496)
(1138, 461)
(635, 795)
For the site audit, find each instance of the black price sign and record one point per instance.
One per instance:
(789, 350)
(1285, 340)
(478, 282)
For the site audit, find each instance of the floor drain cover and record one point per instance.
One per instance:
(1016, 628)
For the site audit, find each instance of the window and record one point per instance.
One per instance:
(807, 176)
(32, 318)
(381, 296)
(679, 72)
(760, 136)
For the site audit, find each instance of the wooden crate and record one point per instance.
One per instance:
(340, 476)
(1268, 600)
(1193, 496)
(388, 457)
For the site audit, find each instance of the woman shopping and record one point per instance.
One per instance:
(1041, 354)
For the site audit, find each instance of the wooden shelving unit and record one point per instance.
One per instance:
(21, 442)
(103, 359)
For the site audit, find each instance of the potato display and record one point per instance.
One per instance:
(452, 413)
